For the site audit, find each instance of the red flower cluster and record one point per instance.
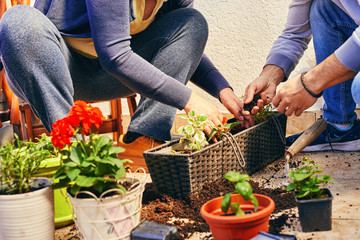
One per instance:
(81, 116)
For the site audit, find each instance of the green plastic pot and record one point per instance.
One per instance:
(63, 210)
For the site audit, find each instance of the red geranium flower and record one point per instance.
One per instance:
(62, 133)
(86, 115)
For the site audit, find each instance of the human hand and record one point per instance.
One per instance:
(201, 106)
(235, 106)
(264, 85)
(293, 98)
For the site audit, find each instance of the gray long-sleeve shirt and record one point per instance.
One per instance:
(291, 44)
(107, 22)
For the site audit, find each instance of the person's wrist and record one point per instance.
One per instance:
(312, 90)
(273, 73)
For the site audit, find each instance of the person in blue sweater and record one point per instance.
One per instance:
(62, 50)
(334, 27)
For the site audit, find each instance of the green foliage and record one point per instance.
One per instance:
(222, 128)
(243, 188)
(91, 165)
(194, 131)
(20, 162)
(305, 182)
(261, 116)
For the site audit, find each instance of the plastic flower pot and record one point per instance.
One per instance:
(315, 214)
(238, 227)
(63, 210)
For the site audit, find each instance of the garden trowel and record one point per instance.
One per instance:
(307, 137)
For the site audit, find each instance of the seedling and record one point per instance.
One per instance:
(194, 132)
(223, 128)
(306, 184)
(243, 188)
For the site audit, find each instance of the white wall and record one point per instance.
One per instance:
(240, 35)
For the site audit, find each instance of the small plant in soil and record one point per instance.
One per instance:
(20, 162)
(222, 129)
(243, 188)
(194, 137)
(306, 183)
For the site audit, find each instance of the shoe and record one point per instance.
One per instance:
(333, 139)
(134, 151)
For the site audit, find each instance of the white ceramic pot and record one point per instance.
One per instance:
(108, 217)
(28, 216)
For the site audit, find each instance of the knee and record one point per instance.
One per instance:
(19, 24)
(355, 89)
(196, 24)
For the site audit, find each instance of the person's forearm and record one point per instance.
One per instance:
(208, 78)
(326, 74)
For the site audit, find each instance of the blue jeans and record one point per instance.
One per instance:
(45, 72)
(331, 27)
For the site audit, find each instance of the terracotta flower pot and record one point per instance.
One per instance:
(238, 227)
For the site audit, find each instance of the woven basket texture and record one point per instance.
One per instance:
(179, 175)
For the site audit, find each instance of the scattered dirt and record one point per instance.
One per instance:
(185, 215)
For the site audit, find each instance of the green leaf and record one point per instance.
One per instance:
(70, 164)
(75, 155)
(236, 177)
(225, 203)
(73, 173)
(192, 114)
(189, 130)
(200, 136)
(115, 150)
(213, 132)
(244, 188)
(301, 176)
(291, 186)
(84, 181)
(202, 118)
(254, 200)
(101, 142)
(234, 207)
(240, 212)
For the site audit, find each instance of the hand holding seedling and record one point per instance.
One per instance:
(243, 188)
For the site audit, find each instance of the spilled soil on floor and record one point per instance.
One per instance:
(185, 214)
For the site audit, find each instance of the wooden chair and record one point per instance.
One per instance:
(31, 127)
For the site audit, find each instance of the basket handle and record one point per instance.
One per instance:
(278, 127)
(237, 150)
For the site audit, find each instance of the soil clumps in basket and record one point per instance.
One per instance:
(185, 214)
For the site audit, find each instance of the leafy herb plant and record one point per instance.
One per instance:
(20, 162)
(305, 182)
(89, 163)
(243, 188)
(194, 136)
(223, 128)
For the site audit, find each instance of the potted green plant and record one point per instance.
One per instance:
(313, 199)
(240, 214)
(106, 203)
(26, 201)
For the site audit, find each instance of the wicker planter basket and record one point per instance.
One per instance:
(180, 175)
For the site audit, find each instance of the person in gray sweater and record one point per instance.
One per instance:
(62, 50)
(334, 27)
